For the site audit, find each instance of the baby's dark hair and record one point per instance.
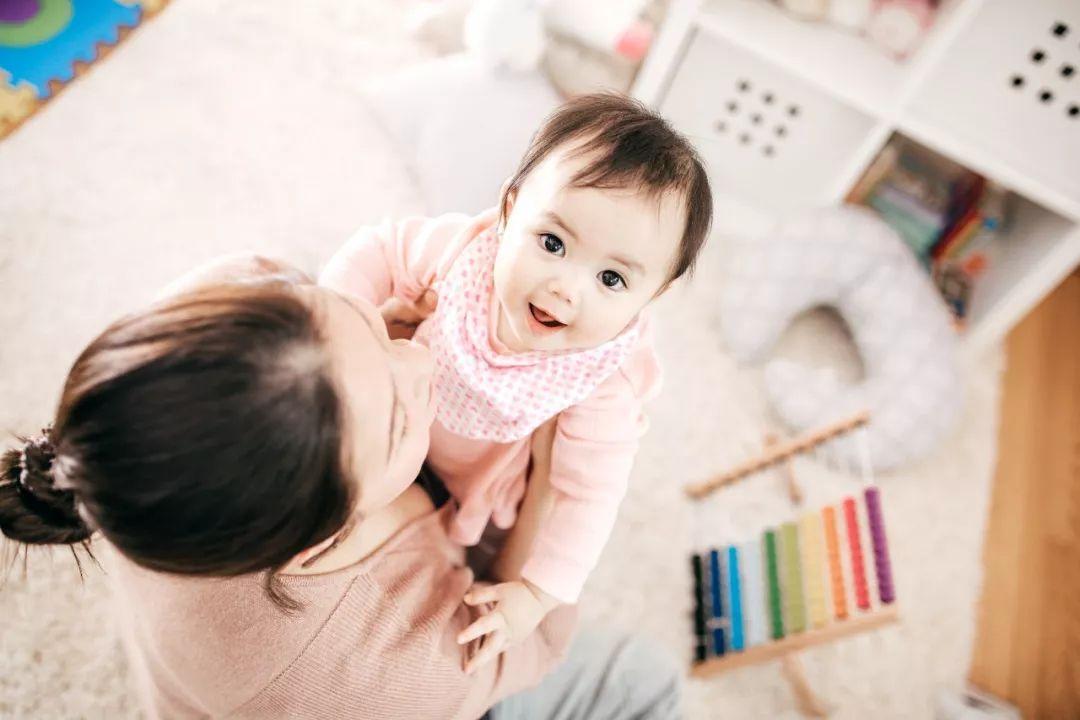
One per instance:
(633, 147)
(201, 437)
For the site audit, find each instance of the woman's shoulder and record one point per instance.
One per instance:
(388, 637)
(226, 644)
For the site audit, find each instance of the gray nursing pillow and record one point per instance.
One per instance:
(850, 260)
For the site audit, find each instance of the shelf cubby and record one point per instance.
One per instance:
(957, 95)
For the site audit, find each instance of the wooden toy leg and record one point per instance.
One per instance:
(786, 471)
(806, 699)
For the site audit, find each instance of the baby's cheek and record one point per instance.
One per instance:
(601, 324)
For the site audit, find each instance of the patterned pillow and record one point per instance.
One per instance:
(848, 259)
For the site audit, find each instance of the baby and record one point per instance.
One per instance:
(541, 312)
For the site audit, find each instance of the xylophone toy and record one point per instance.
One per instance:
(806, 581)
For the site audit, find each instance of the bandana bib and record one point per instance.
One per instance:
(484, 395)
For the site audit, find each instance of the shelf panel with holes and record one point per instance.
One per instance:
(835, 60)
(764, 134)
(1006, 97)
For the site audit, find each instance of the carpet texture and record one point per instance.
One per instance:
(233, 126)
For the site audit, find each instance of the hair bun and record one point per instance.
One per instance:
(32, 508)
(38, 454)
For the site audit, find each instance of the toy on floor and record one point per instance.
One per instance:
(579, 47)
(820, 576)
(44, 44)
(848, 259)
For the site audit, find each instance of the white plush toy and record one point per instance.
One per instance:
(513, 34)
(849, 259)
(506, 34)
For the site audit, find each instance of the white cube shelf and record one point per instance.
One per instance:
(957, 95)
(844, 65)
(764, 134)
(1010, 86)
(1036, 250)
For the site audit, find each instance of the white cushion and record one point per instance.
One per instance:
(460, 127)
(848, 259)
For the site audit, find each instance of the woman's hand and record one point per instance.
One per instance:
(402, 318)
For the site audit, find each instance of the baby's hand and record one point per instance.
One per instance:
(402, 318)
(518, 610)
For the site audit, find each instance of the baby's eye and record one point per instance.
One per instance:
(612, 279)
(553, 244)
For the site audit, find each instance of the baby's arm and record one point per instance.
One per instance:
(398, 260)
(535, 506)
(517, 606)
(569, 508)
(593, 454)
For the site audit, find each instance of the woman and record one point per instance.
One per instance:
(247, 452)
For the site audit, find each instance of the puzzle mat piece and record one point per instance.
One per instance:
(16, 103)
(50, 61)
(152, 7)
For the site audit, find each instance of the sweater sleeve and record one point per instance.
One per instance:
(398, 259)
(387, 647)
(591, 459)
(395, 259)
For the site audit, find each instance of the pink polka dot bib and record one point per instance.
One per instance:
(486, 395)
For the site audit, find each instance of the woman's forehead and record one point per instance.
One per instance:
(361, 368)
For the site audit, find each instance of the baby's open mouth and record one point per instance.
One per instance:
(543, 318)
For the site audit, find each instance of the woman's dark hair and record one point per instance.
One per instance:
(202, 437)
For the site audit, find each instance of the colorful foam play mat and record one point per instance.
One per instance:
(45, 44)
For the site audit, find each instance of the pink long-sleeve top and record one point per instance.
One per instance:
(596, 439)
(376, 639)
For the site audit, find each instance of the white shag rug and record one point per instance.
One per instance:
(226, 126)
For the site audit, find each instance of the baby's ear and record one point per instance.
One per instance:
(507, 198)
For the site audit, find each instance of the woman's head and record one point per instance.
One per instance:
(224, 431)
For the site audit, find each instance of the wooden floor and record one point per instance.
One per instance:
(1028, 641)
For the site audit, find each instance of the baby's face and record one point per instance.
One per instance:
(576, 265)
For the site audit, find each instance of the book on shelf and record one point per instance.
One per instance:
(949, 216)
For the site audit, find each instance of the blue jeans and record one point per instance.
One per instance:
(606, 676)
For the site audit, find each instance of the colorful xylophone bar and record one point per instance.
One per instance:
(758, 600)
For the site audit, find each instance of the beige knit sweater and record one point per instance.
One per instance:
(375, 640)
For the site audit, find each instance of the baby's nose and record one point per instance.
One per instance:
(564, 290)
